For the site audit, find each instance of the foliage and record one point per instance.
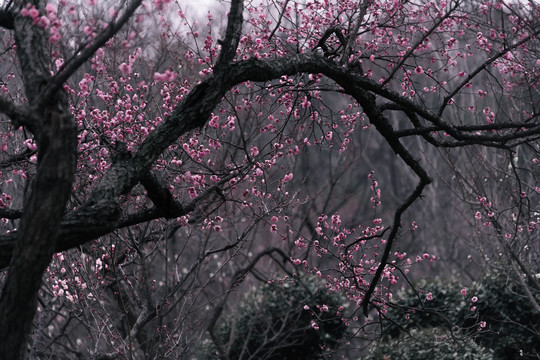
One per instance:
(289, 319)
(513, 324)
(426, 344)
(493, 311)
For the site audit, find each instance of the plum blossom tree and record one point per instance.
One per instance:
(149, 155)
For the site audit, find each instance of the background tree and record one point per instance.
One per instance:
(152, 163)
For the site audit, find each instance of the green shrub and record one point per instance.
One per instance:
(503, 318)
(284, 320)
(513, 325)
(428, 344)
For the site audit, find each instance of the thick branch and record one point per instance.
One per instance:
(19, 115)
(6, 19)
(10, 214)
(229, 45)
(367, 101)
(161, 197)
(36, 241)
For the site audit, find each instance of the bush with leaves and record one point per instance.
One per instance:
(493, 311)
(428, 344)
(290, 319)
(512, 323)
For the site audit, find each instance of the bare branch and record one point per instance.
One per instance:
(72, 64)
(16, 158)
(398, 66)
(278, 23)
(351, 41)
(484, 65)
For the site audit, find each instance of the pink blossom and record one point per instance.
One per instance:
(33, 13)
(51, 9)
(329, 135)
(429, 296)
(192, 192)
(44, 22)
(59, 63)
(166, 76)
(162, 4)
(288, 177)
(30, 144)
(464, 291)
(214, 122)
(474, 299)
(125, 69)
(477, 215)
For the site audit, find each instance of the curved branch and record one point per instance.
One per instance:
(19, 115)
(237, 278)
(161, 197)
(101, 214)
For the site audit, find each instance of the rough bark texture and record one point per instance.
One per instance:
(55, 132)
(48, 117)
